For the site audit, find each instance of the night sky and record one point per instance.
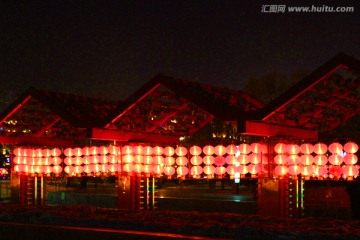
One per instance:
(110, 49)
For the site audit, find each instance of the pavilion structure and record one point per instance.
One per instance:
(142, 138)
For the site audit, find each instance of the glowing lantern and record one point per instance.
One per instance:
(147, 150)
(182, 171)
(55, 152)
(138, 150)
(113, 150)
(220, 170)
(320, 171)
(87, 169)
(94, 150)
(294, 170)
(86, 151)
(128, 159)
(293, 149)
(320, 160)
(220, 150)
(351, 147)
(47, 169)
(320, 148)
(55, 160)
(157, 150)
(168, 161)
(335, 148)
(69, 169)
(149, 160)
(78, 169)
(38, 152)
(127, 168)
(306, 148)
(18, 152)
(138, 168)
(219, 161)
(182, 161)
(336, 159)
(208, 150)
(196, 160)
(25, 168)
(231, 149)
(255, 158)
(350, 159)
(256, 147)
(17, 168)
(196, 170)
(307, 170)
(87, 160)
(307, 159)
(231, 170)
(280, 148)
(208, 160)
(31, 153)
(147, 169)
(95, 159)
(46, 161)
(281, 170)
(169, 170)
(351, 171)
(69, 152)
(244, 148)
(138, 159)
(46, 152)
(293, 160)
(243, 159)
(195, 150)
(104, 159)
(181, 151)
(157, 169)
(335, 171)
(158, 160)
(254, 169)
(169, 151)
(280, 159)
(77, 152)
(57, 169)
(103, 150)
(231, 159)
(126, 150)
(243, 169)
(209, 170)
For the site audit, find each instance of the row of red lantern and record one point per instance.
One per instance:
(318, 171)
(318, 148)
(140, 168)
(46, 161)
(307, 159)
(30, 152)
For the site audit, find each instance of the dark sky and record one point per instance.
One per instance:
(111, 48)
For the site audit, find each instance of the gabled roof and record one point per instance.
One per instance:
(322, 101)
(40, 113)
(172, 106)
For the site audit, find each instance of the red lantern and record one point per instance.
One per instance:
(220, 150)
(281, 170)
(103, 150)
(335, 171)
(127, 168)
(182, 171)
(231, 170)
(307, 159)
(335, 148)
(350, 159)
(87, 160)
(243, 159)
(169, 170)
(196, 160)
(147, 150)
(351, 171)
(157, 150)
(307, 170)
(220, 170)
(231, 159)
(254, 169)
(169, 161)
(257, 148)
(128, 159)
(138, 168)
(320, 148)
(18, 152)
(208, 150)
(243, 169)
(195, 150)
(351, 147)
(113, 150)
(208, 160)
(219, 161)
(320, 171)
(57, 169)
(196, 170)
(69, 152)
(293, 160)
(148, 169)
(86, 151)
(149, 160)
(293, 149)
(157, 169)
(104, 159)
(181, 151)
(244, 148)
(294, 170)
(138, 150)
(321, 160)
(94, 150)
(138, 159)
(306, 148)
(125, 150)
(158, 160)
(209, 170)
(169, 151)
(95, 159)
(182, 161)
(231, 149)
(280, 148)
(255, 158)
(280, 159)
(336, 159)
